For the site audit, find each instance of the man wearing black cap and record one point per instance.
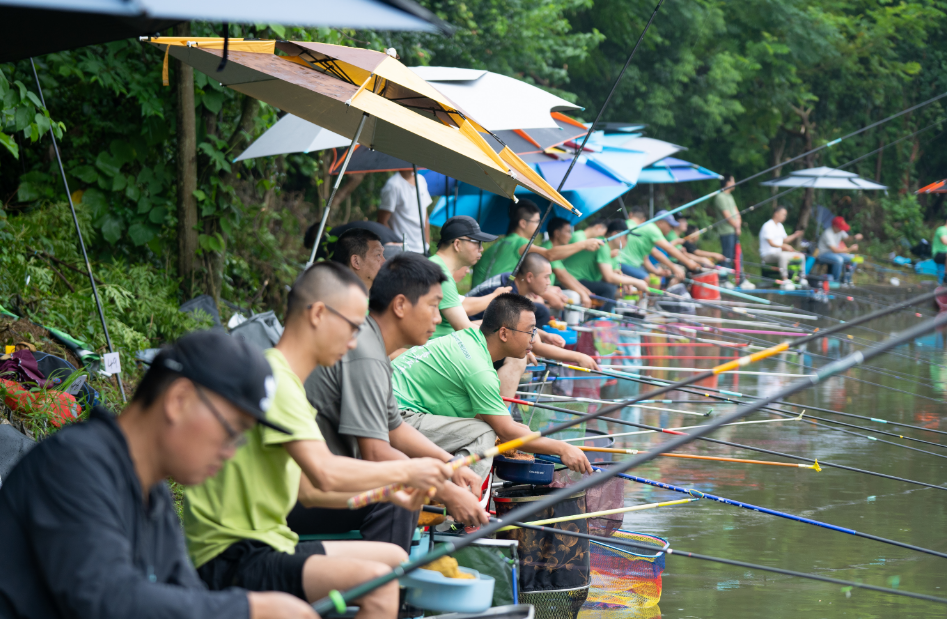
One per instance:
(235, 523)
(87, 523)
(461, 245)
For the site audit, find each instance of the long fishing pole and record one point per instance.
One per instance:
(618, 541)
(617, 435)
(585, 140)
(763, 510)
(635, 452)
(606, 512)
(854, 416)
(338, 600)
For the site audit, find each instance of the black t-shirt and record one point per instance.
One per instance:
(503, 280)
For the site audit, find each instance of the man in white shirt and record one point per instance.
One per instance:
(832, 248)
(775, 244)
(399, 209)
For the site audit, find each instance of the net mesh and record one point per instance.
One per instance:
(557, 604)
(623, 577)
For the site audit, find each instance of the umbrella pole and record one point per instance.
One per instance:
(651, 200)
(335, 188)
(75, 220)
(624, 211)
(417, 191)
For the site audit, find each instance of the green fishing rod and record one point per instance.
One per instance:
(339, 600)
(863, 417)
(666, 549)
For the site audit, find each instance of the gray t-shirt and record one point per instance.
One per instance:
(829, 239)
(354, 397)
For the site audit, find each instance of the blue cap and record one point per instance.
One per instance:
(663, 216)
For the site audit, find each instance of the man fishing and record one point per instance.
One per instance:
(503, 255)
(235, 523)
(834, 252)
(649, 240)
(361, 251)
(87, 523)
(561, 233)
(776, 246)
(598, 271)
(358, 413)
(449, 390)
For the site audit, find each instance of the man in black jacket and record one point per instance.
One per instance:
(87, 523)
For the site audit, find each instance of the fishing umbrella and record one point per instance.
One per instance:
(68, 24)
(672, 170)
(938, 187)
(824, 178)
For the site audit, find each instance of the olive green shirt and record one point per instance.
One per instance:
(726, 207)
(501, 257)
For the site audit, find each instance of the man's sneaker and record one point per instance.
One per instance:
(747, 285)
(728, 285)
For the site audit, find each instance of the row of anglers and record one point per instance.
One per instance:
(270, 446)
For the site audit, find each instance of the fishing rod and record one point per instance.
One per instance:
(678, 370)
(763, 510)
(644, 426)
(635, 452)
(594, 401)
(606, 512)
(618, 541)
(709, 392)
(585, 140)
(338, 600)
(854, 416)
(737, 423)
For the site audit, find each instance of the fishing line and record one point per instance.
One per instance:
(338, 600)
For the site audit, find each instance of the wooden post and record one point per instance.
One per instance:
(186, 167)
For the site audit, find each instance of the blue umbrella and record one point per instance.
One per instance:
(672, 170)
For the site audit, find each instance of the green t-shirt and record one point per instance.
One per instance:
(451, 298)
(637, 248)
(671, 236)
(726, 207)
(256, 489)
(584, 264)
(451, 376)
(937, 246)
(501, 257)
(556, 264)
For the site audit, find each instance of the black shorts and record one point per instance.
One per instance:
(257, 566)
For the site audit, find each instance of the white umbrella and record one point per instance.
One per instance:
(653, 150)
(825, 178)
(292, 134)
(498, 102)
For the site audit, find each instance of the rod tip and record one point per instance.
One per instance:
(816, 466)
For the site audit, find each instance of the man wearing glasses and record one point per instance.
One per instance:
(235, 523)
(461, 245)
(449, 390)
(87, 523)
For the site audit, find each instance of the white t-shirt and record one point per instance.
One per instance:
(400, 198)
(829, 239)
(771, 231)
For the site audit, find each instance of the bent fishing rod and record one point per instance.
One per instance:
(611, 542)
(338, 600)
(763, 510)
(585, 140)
(379, 494)
(790, 417)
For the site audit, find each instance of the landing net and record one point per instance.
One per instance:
(624, 577)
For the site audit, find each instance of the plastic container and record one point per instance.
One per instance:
(432, 590)
(704, 293)
(524, 471)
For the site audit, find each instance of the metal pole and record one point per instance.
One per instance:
(624, 211)
(75, 220)
(417, 191)
(651, 201)
(338, 181)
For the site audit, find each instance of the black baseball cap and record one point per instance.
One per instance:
(464, 225)
(230, 367)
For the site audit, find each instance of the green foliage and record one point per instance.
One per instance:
(22, 111)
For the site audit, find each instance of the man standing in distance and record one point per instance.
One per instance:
(399, 209)
(729, 229)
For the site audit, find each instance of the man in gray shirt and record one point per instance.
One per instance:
(358, 414)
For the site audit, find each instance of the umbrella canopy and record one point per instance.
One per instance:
(655, 150)
(68, 24)
(336, 86)
(302, 134)
(825, 178)
(671, 170)
(938, 187)
(523, 106)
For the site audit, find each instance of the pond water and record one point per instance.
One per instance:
(886, 508)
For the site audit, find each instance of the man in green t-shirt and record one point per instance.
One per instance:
(649, 240)
(598, 271)
(503, 255)
(939, 249)
(235, 523)
(449, 389)
(460, 245)
(729, 228)
(561, 233)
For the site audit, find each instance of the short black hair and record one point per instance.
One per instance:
(524, 209)
(533, 262)
(724, 179)
(555, 224)
(505, 311)
(318, 282)
(409, 274)
(615, 226)
(779, 207)
(637, 211)
(155, 382)
(353, 242)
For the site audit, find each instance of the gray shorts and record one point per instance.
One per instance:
(458, 435)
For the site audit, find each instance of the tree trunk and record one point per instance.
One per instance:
(881, 155)
(807, 134)
(186, 169)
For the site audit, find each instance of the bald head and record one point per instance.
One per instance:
(323, 281)
(534, 263)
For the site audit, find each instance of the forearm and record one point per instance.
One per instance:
(457, 317)
(475, 305)
(567, 281)
(561, 252)
(330, 473)
(556, 353)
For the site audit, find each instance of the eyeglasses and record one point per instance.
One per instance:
(235, 439)
(477, 243)
(356, 326)
(532, 333)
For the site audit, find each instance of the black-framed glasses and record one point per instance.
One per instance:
(531, 334)
(474, 241)
(356, 327)
(234, 438)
